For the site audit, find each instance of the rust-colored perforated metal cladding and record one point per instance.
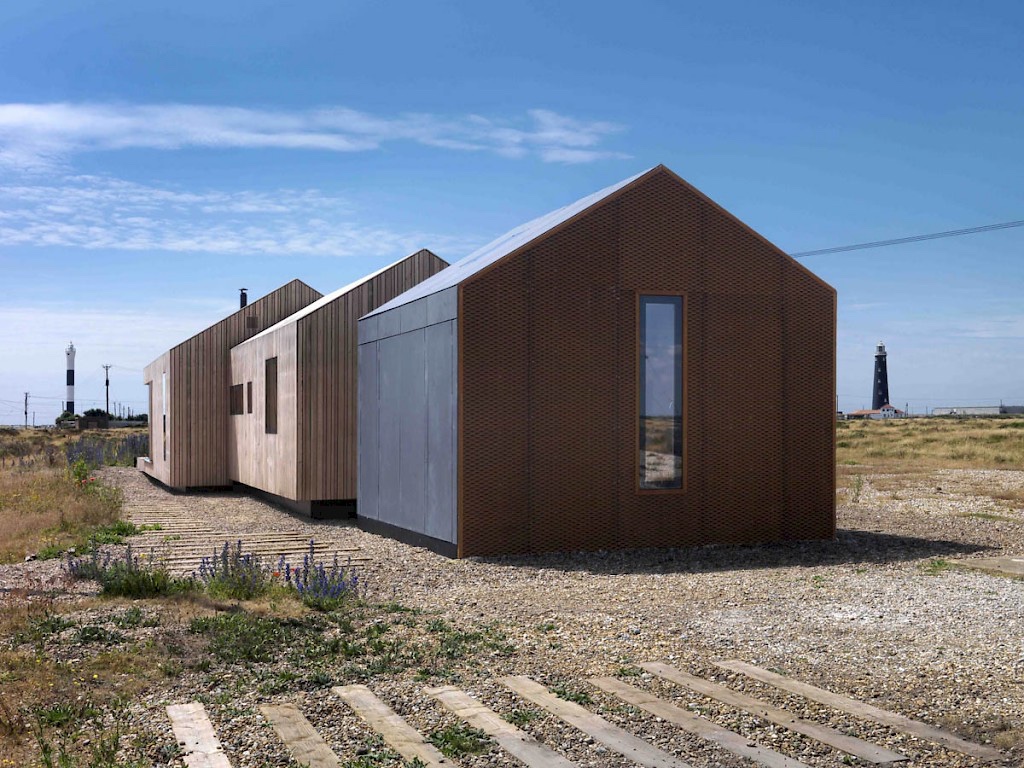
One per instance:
(549, 388)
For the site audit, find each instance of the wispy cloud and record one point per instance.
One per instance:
(34, 136)
(996, 327)
(95, 212)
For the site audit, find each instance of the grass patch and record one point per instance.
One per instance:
(458, 740)
(242, 636)
(520, 717)
(572, 694)
(989, 516)
(936, 566)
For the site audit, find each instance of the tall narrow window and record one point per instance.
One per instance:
(270, 388)
(661, 393)
(163, 410)
(248, 397)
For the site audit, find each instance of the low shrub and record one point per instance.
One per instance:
(236, 574)
(321, 587)
(126, 575)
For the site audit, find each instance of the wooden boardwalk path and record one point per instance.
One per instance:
(201, 749)
(180, 529)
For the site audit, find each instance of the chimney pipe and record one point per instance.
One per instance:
(243, 298)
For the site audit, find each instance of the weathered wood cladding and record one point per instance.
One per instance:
(327, 379)
(198, 380)
(258, 457)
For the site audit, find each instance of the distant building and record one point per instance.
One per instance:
(969, 410)
(885, 412)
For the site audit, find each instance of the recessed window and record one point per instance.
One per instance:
(163, 411)
(248, 397)
(661, 393)
(270, 389)
(236, 402)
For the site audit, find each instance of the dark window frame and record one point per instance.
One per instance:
(270, 396)
(236, 400)
(681, 392)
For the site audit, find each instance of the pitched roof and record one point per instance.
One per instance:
(497, 249)
(248, 308)
(327, 299)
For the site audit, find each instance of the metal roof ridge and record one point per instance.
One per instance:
(505, 244)
(326, 299)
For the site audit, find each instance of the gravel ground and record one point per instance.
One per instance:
(874, 615)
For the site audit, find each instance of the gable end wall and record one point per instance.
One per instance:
(548, 394)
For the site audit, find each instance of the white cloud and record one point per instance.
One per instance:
(94, 212)
(40, 136)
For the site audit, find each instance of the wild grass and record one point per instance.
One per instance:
(50, 497)
(932, 443)
(45, 508)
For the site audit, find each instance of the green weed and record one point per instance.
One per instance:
(458, 740)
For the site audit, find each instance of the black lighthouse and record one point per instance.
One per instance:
(880, 396)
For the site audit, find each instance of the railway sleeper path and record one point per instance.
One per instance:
(201, 749)
(179, 530)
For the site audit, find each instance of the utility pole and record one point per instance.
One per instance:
(26, 410)
(106, 371)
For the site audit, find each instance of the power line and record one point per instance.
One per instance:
(911, 239)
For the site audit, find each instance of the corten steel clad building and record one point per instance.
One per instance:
(292, 432)
(636, 369)
(188, 393)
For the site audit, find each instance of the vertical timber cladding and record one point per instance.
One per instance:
(199, 385)
(549, 366)
(154, 376)
(328, 379)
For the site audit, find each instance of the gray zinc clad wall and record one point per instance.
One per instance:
(407, 411)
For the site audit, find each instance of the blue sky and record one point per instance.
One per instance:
(155, 157)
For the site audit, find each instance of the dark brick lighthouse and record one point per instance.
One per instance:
(881, 393)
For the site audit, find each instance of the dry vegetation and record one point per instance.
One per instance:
(935, 443)
(74, 669)
(45, 507)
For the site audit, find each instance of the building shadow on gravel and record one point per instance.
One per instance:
(848, 547)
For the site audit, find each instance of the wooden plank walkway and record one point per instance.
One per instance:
(401, 736)
(595, 726)
(298, 734)
(185, 538)
(695, 724)
(194, 732)
(520, 745)
(856, 747)
(866, 711)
